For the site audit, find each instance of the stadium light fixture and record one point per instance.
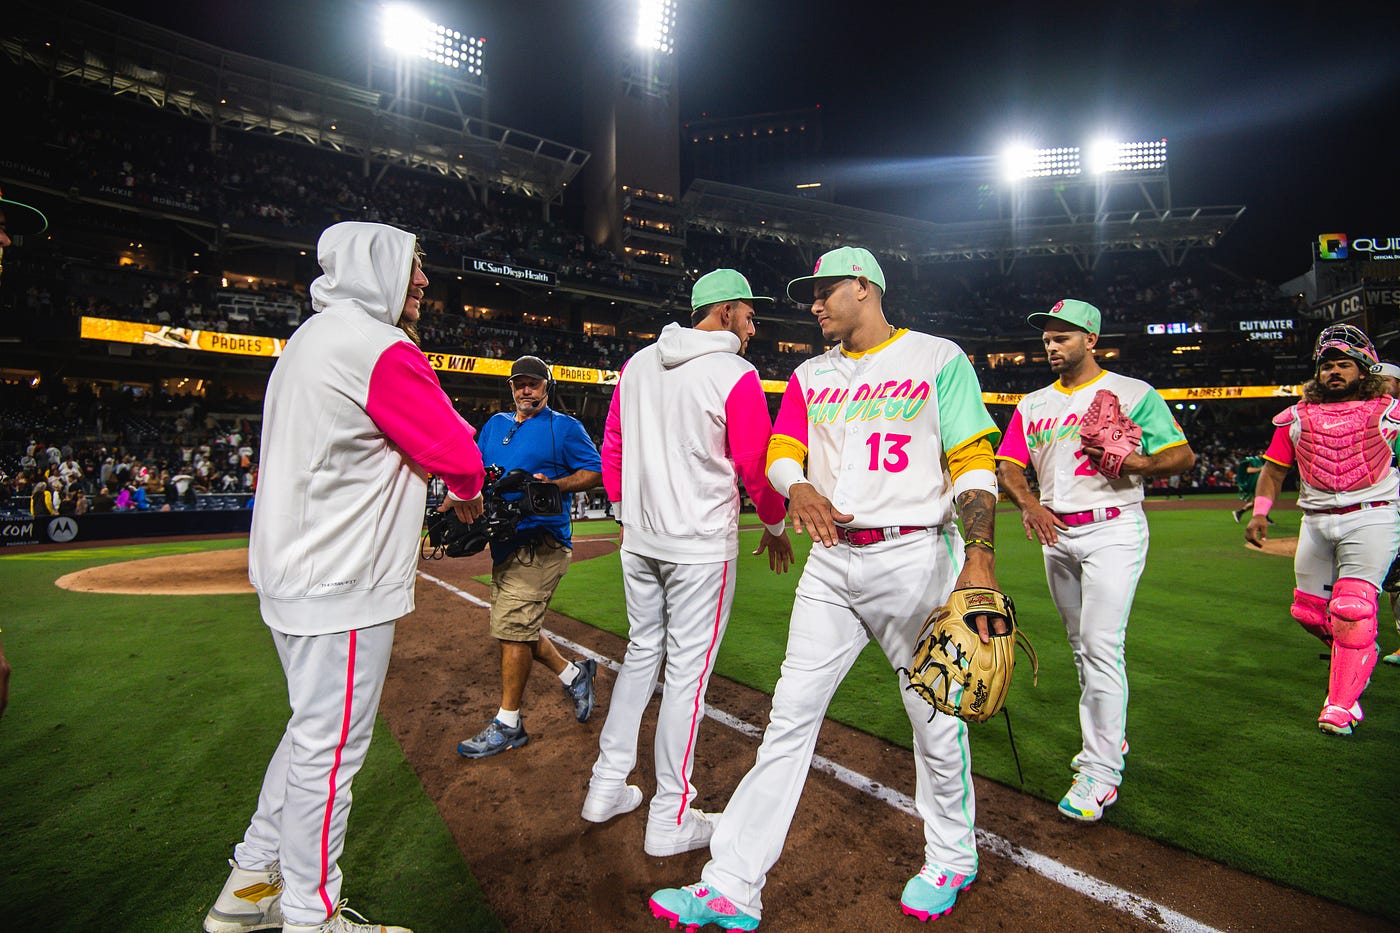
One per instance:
(656, 25)
(1107, 156)
(1022, 161)
(410, 33)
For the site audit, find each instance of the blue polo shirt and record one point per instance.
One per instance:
(550, 443)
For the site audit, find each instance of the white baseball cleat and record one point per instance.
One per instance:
(601, 806)
(250, 900)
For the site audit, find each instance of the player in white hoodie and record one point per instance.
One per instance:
(688, 417)
(353, 421)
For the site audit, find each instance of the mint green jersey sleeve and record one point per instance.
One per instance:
(962, 415)
(1159, 428)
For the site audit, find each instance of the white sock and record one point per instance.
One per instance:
(569, 674)
(509, 717)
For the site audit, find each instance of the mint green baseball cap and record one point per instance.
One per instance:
(1072, 311)
(722, 285)
(844, 263)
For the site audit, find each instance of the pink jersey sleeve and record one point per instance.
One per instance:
(1013, 442)
(1281, 447)
(792, 413)
(406, 401)
(746, 420)
(612, 445)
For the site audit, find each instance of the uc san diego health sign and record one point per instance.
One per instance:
(504, 270)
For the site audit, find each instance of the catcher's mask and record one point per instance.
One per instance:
(1348, 341)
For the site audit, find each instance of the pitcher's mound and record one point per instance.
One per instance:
(1284, 547)
(200, 574)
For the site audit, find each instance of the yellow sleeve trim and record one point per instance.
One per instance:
(1286, 466)
(781, 446)
(975, 454)
(1167, 447)
(1012, 460)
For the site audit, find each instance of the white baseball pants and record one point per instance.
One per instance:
(1359, 544)
(1093, 572)
(848, 595)
(333, 682)
(677, 614)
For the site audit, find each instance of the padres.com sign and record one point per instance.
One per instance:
(59, 530)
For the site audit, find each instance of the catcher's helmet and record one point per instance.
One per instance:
(1345, 340)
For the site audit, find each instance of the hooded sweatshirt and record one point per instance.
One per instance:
(353, 421)
(693, 417)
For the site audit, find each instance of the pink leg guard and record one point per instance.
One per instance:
(1352, 613)
(1311, 613)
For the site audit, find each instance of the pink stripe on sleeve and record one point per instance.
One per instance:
(1013, 442)
(406, 401)
(792, 413)
(1281, 447)
(612, 444)
(746, 420)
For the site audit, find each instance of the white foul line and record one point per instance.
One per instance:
(1144, 909)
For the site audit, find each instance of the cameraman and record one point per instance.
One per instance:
(527, 568)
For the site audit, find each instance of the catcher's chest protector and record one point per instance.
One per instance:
(1340, 446)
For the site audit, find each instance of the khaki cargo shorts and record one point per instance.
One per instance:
(521, 589)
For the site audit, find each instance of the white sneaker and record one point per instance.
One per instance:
(1087, 799)
(250, 900)
(344, 920)
(601, 806)
(693, 833)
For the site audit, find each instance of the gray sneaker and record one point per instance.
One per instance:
(581, 690)
(494, 739)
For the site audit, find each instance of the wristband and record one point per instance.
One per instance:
(1262, 504)
(979, 542)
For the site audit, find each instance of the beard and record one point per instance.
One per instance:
(1339, 392)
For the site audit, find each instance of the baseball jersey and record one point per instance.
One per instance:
(1288, 427)
(876, 426)
(1044, 434)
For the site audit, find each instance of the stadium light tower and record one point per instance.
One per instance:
(409, 33)
(429, 71)
(649, 66)
(656, 25)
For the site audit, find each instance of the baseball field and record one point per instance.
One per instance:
(138, 727)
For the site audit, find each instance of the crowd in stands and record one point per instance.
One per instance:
(71, 451)
(263, 186)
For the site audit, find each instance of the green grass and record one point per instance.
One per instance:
(1226, 758)
(132, 752)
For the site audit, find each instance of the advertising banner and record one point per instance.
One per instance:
(504, 270)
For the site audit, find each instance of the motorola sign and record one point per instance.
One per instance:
(62, 529)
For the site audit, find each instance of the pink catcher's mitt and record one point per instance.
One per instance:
(1106, 426)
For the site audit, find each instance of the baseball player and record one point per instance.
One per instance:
(353, 420)
(1343, 437)
(1092, 529)
(688, 414)
(1389, 374)
(897, 444)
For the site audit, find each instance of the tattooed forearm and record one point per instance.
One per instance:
(977, 512)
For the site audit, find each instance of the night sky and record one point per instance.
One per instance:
(1285, 108)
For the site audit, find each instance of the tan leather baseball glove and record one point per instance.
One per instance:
(953, 670)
